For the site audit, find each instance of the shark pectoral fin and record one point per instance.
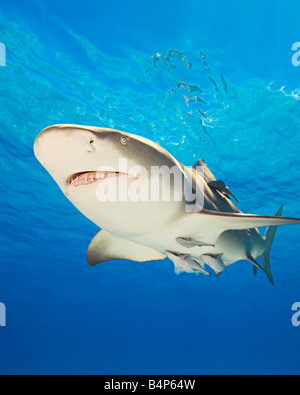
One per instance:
(219, 222)
(106, 246)
(209, 225)
(189, 242)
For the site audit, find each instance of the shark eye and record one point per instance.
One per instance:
(124, 140)
(92, 141)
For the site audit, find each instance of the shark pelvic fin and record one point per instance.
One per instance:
(189, 242)
(268, 239)
(255, 270)
(106, 246)
(255, 263)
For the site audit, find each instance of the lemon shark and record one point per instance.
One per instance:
(198, 227)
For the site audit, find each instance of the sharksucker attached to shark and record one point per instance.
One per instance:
(149, 206)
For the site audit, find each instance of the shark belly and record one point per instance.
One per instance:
(232, 246)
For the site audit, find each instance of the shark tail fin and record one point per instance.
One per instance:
(268, 239)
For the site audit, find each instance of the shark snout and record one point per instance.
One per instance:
(65, 150)
(68, 150)
(63, 140)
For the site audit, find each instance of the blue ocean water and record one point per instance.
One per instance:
(92, 63)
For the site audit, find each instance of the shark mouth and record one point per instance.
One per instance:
(88, 178)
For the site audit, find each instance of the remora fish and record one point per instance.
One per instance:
(86, 161)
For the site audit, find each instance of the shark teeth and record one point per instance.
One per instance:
(89, 178)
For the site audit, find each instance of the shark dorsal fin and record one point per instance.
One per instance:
(207, 173)
(199, 163)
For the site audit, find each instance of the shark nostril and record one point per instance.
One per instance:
(91, 146)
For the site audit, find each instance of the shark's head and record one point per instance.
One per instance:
(87, 163)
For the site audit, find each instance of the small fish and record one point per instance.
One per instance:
(206, 65)
(202, 113)
(188, 87)
(188, 65)
(158, 56)
(225, 85)
(214, 82)
(177, 55)
(195, 99)
(203, 56)
(198, 99)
